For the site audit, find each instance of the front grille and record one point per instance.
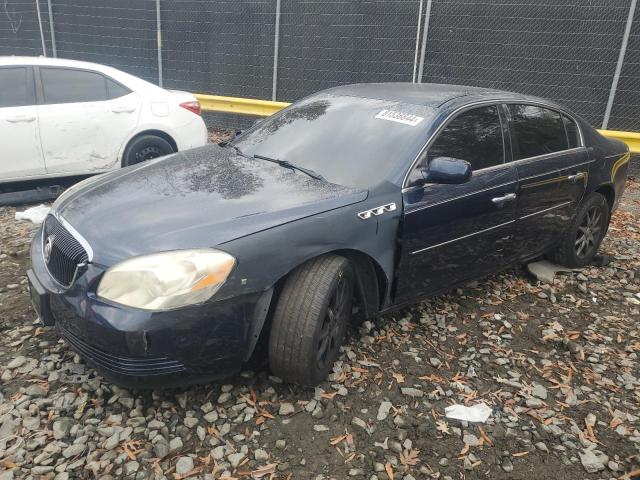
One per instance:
(145, 366)
(66, 253)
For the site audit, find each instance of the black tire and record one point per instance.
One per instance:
(310, 320)
(584, 235)
(145, 148)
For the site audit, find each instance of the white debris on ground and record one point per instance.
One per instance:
(479, 412)
(545, 271)
(34, 214)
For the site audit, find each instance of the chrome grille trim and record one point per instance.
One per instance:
(67, 255)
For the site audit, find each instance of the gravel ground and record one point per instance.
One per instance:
(558, 365)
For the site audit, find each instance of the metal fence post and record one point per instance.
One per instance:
(425, 32)
(276, 47)
(44, 46)
(52, 31)
(616, 75)
(415, 57)
(159, 43)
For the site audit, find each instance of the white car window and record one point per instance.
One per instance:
(115, 90)
(15, 88)
(61, 85)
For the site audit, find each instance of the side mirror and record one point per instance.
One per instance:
(447, 170)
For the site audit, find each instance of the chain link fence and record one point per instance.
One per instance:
(585, 55)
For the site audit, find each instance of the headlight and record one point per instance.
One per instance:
(163, 281)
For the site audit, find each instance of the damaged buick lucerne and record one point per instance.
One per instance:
(359, 198)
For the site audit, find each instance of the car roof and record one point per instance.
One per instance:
(48, 62)
(127, 79)
(427, 94)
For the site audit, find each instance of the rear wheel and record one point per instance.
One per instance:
(310, 320)
(145, 148)
(585, 233)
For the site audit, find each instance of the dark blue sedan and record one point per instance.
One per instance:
(370, 196)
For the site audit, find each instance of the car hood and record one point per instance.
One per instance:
(198, 198)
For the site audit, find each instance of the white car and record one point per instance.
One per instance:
(64, 117)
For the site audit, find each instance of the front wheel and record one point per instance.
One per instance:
(144, 148)
(310, 320)
(585, 233)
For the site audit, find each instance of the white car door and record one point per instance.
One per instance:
(21, 153)
(84, 118)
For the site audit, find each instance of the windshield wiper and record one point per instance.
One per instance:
(240, 152)
(287, 164)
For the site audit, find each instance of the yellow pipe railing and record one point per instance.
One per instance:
(264, 108)
(632, 139)
(243, 106)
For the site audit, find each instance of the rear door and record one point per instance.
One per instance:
(552, 167)
(21, 153)
(451, 233)
(84, 119)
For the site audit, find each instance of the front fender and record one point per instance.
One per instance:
(266, 257)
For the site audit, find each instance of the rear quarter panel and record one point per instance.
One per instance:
(611, 163)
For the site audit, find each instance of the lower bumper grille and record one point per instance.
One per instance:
(130, 366)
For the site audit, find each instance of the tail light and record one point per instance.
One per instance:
(193, 106)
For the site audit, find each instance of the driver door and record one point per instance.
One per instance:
(453, 233)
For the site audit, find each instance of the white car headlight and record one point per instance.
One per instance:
(163, 281)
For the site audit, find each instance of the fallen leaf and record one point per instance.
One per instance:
(262, 471)
(630, 475)
(389, 469)
(442, 426)
(409, 457)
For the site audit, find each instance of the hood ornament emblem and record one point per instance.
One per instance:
(48, 246)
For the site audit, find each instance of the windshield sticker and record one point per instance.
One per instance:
(399, 117)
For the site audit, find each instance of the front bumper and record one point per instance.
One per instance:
(140, 349)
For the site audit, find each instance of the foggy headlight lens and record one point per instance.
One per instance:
(163, 281)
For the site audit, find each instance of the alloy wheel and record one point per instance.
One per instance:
(336, 316)
(589, 231)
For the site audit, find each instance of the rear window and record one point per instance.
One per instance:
(72, 86)
(16, 87)
(115, 90)
(573, 135)
(536, 131)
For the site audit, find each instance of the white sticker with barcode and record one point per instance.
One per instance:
(399, 117)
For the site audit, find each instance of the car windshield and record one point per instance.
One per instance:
(347, 140)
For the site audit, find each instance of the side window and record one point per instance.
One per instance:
(72, 86)
(115, 90)
(573, 135)
(536, 131)
(16, 87)
(474, 136)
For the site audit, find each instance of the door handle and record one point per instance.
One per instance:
(576, 177)
(21, 119)
(509, 197)
(123, 109)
